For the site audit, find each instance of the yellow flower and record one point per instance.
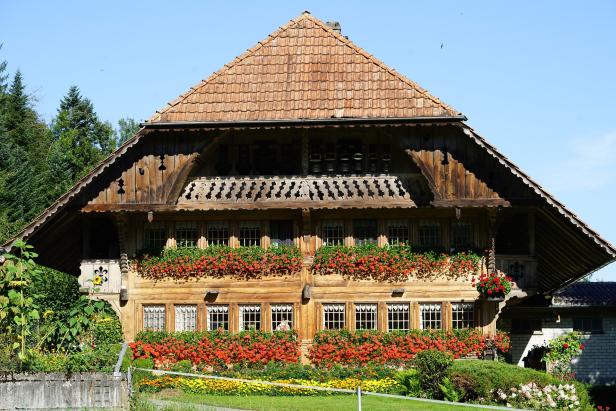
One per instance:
(97, 280)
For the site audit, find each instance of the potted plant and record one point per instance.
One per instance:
(493, 286)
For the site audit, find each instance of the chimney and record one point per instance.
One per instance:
(334, 25)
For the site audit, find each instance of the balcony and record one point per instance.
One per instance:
(522, 268)
(102, 275)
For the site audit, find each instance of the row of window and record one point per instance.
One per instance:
(585, 325)
(333, 316)
(365, 231)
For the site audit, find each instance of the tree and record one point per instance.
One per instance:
(81, 141)
(127, 128)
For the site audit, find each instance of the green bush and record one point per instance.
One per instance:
(103, 359)
(182, 366)
(146, 363)
(432, 366)
(107, 330)
(450, 391)
(54, 290)
(480, 379)
(409, 380)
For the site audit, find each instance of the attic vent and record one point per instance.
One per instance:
(334, 25)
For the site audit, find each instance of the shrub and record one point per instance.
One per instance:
(182, 366)
(409, 381)
(54, 290)
(107, 330)
(561, 351)
(396, 349)
(145, 363)
(432, 366)
(450, 391)
(480, 379)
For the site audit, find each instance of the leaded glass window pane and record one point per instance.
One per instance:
(281, 233)
(218, 233)
(333, 316)
(365, 316)
(398, 317)
(398, 232)
(250, 317)
(365, 232)
(250, 234)
(282, 317)
(429, 234)
(217, 317)
(154, 237)
(461, 235)
(154, 317)
(430, 316)
(462, 315)
(185, 318)
(332, 232)
(186, 234)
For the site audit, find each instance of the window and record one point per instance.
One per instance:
(186, 234)
(282, 317)
(462, 315)
(398, 317)
(218, 233)
(281, 233)
(525, 325)
(430, 316)
(217, 317)
(154, 237)
(250, 317)
(185, 318)
(365, 232)
(332, 232)
(365, 316)
(333, 316)
(429, 234)
(588, 324)
(398, 232)
(461, 235)
(250, 234)
(154, 317)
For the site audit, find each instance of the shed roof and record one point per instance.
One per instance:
(304, 70)
(586, 294)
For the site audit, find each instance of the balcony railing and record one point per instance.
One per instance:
(103, 275)
(522, 268)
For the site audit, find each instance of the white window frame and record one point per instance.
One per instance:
(218, 310)
(366, 316)
(186, 226)
(282, 317)
(338, 225)
(338, 313)
(154, 317)
(218, 226)
(463, 310)
(185, 317)
(398, 225)
(396, 313)
(434, 312)
(251, 310)
(251, 241)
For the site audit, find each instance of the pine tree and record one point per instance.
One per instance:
(81, 141)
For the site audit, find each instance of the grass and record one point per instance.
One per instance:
(298, 403)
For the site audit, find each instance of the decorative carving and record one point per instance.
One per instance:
(308, 191)
(100, 277)
(162, 167)
(121, 186)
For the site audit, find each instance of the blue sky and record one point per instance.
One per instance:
(537, 79)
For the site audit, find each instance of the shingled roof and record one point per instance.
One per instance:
(304, 70)
(586, 294)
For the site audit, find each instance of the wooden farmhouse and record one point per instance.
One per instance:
(307, 141)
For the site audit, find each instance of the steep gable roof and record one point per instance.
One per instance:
(304, 70)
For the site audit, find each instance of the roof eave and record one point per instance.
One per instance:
(303, 122)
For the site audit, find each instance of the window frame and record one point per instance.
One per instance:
(276, 309)
(185, 227)
(152, 227)
(422, 224)
(463, 312)
(218, 226)
(430, 320)
(471, 235)
(253, 240)
(223, 309)
(247, 309)
(398, 225)
(162, 309)
(591, 329)
(369, 310)
(338, 321)
(365, 240)
(391, 320)
(289, 242)
(191, 317)
(339, 226)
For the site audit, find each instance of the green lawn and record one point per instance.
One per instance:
(299, 403)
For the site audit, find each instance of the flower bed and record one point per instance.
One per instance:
(397, 348)
(217, 349)
(220, 261)
(225, 387)
(392, 263)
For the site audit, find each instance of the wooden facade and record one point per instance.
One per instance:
(350, 144)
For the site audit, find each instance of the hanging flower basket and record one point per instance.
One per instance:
(493, 286)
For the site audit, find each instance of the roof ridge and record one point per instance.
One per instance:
(381, 64)
(321, 24)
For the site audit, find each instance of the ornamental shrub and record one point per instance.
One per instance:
(54, 290)
(561, 351)
(481, 379)
(409, 381)
(107, 330)
(432, 366)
